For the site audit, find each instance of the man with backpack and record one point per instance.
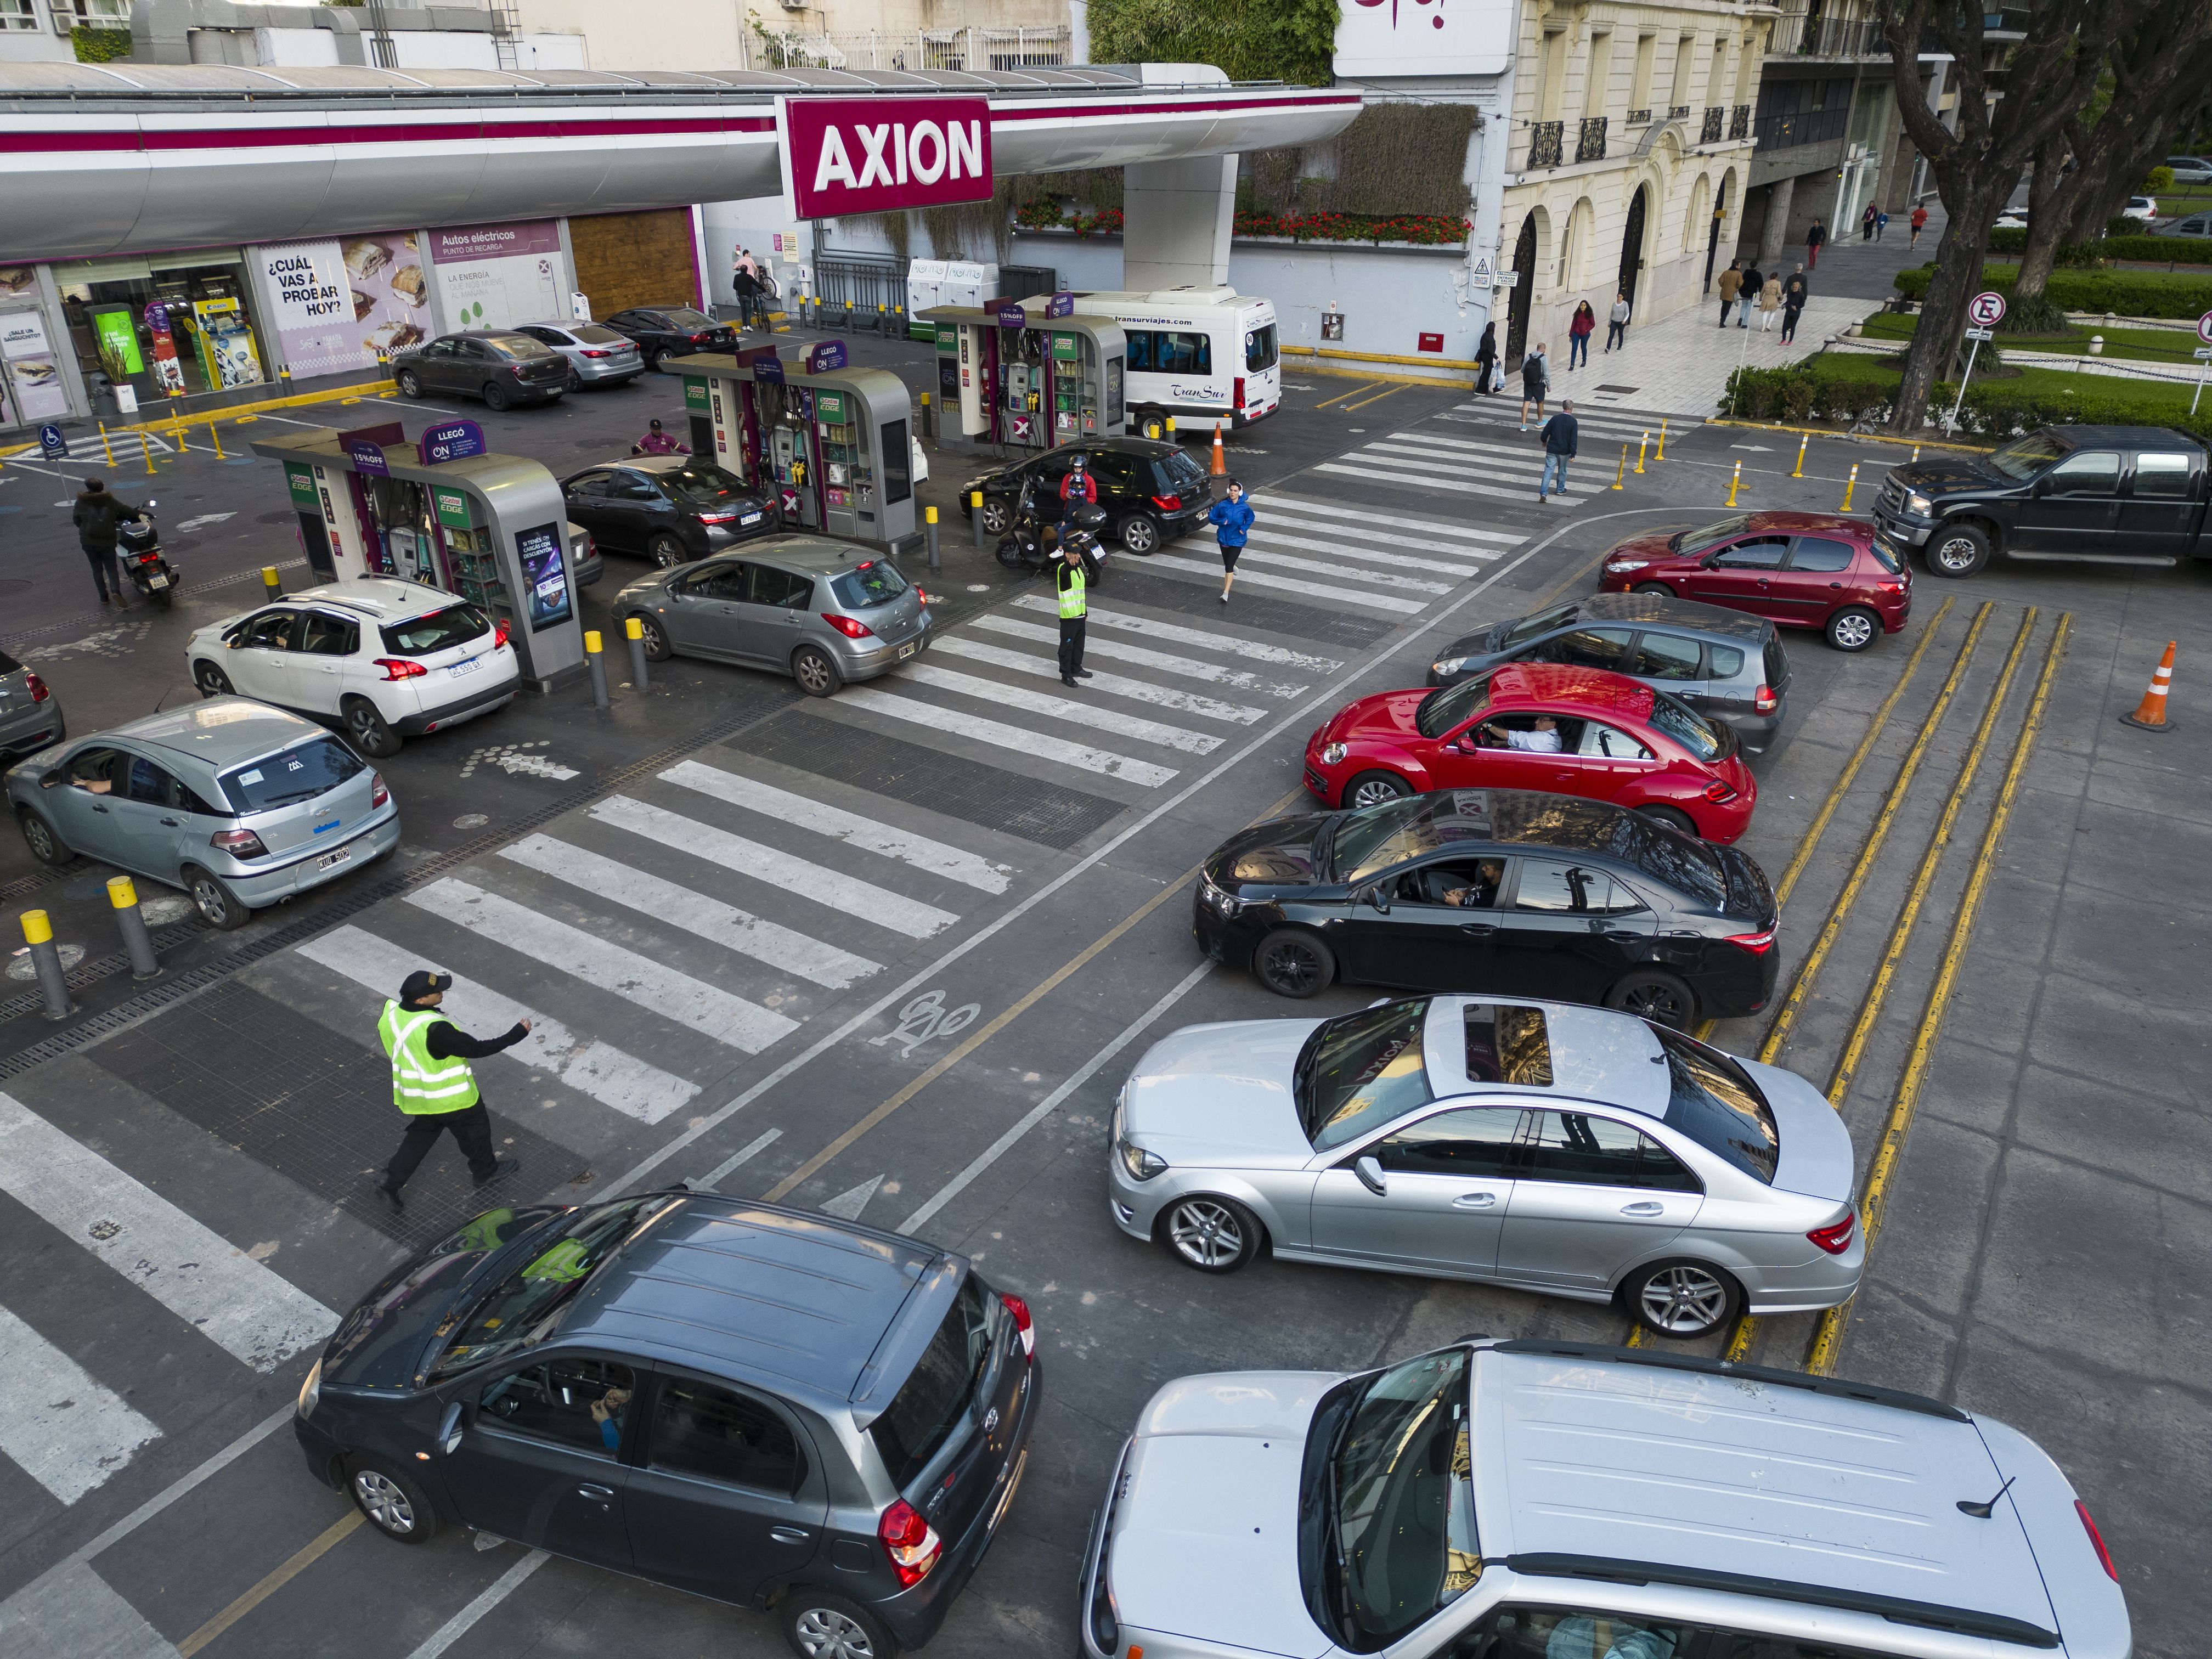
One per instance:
(1562, 434)
(1535, 381)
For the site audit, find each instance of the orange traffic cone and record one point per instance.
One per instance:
(1220, 460)
(2150, 712)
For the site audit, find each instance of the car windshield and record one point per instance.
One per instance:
(527, 1306)
(1706, 536)
(877, 582)
(1386, 1502)
(683, 316)
(1371, 839)
(301, 773)
(2023, 458)
(519, 346)
(1454, 706)
(932, 1401)
(1713, 1100)
(1360, 1071)
(596, 334)
(1178, 472)
(457, 624)
(1692, 732)
(1535, 627)
(700, 483)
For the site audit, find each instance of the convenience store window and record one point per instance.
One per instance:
(163, 329)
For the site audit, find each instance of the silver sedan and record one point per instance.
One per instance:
(1568, 1151)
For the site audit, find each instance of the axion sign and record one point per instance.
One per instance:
(878, 154)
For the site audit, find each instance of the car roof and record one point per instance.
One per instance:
(1803, 523)
(386, 598)
(1597, 1055)
(1675, 1462)
(219, 732)
(1521, 683)
(2122, 437)
(1665, 610)
(790, 1300)
(814, 553)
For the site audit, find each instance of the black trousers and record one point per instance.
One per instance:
(471, 1127)
(1071, 646)
(105, 574)
(1727, 306)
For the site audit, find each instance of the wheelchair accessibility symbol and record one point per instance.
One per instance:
(926, 1018)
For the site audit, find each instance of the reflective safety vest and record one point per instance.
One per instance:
(1070, 592)
(564, 1261)
(419, 1083)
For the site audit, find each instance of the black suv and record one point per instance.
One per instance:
(498, 365)
(767, 1407)
(673, 331)
(1152, 492)
(1724, 664)
(671, 508)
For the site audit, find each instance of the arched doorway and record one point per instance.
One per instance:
(1524, 293)
(1713, 240)
(1631, 243)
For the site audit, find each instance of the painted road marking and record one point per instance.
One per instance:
(1375, 475)
(1289, 518)
(629, 1086)
(1473, 448)
(1085, 714)
(1361, 515)
(635, 978)
(1164, 662)
(694, 912)
(744, 1155)
(1275, 537)
(847, 895)
(57, 1423)
(72, 1610)
(1410, 459)
(1018, 738)
(1252, 650)
(1187, 702)
(1268, 579)
(223, 1293)
(1380, 577)
(823, 819)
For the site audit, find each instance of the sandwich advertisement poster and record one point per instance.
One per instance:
(497, 276)
(337, 305)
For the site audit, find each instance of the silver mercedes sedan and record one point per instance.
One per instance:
(1569, 1151)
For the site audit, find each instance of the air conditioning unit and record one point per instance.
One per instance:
(795, 5)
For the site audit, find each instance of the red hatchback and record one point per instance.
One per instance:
(1800, 569)
(1534, 726)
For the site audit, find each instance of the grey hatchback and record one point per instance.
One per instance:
(238, 804)
(767, 1407)
(822, 611)
(30, 713)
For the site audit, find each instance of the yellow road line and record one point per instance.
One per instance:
(308, 1556)
(1387, 392)
(1827, 1343)
(1341, 395)
(1778, 1035)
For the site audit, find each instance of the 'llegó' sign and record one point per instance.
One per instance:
(878, 154)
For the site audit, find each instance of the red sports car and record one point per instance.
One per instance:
(1534, 725)
(1801, 569)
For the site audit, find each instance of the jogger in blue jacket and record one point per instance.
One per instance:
(1232, 518)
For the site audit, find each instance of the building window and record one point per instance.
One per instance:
(17, 14)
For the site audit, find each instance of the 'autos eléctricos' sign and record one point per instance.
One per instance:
(878, 154)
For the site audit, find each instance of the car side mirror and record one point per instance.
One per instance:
(1375, 897)
(1371, 1174)
(52, 779)
(449, 1430)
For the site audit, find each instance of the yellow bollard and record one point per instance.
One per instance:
(1171, 428)
(183, 447)
(1643, 444)
(38, 927)
(1916, 454)
(1661, 455)
(270, 581)
(1850, 484)
(1801, 442)
(1735, 479)
(1623, 471)
(592, 645)
(217, 440)
(105, 445)
(146, 449)
(121, 894)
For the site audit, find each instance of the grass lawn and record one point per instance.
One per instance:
(2156, 398)
(2151, 345)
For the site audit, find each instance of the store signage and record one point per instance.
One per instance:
(450, 441)
(117, 337)
(301, 481)
(881, 155)
(544, 574)
(312, 308)
(1012, 316)
(497, 276)
(948, 337)
(770, 369)
(695, 395)
(452, 507)
(831, 405)
(51, 445)
(1061, 304)
(1429, 343)
(168, 372)
(825, 357)
(1066, 348)
(1425, 37)
(364, 447)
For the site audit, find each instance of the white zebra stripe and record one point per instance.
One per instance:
(1164, 662)
(1252, 650)
(1347, 534)
(58, 1425)
(1020, 739)
(1521, 471)
(1267, 579)
(1452, 486)
(1380, 577)
(1090, 715)
(1366, 516)
(1344, 550)
(1021, 662)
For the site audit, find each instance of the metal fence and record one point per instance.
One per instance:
(1805, 32)
(923, 49)
(863, 293)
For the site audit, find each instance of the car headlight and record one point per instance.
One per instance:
(1333, 754)
(1616, 567)
(1141, 1165)
(1914, 503)
(1447, 664)
(311, 1391)
(1221, 902)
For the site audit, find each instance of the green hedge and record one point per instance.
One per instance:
(2176, 294)
(2079, 254)
(2161, 250)
(1848, 388)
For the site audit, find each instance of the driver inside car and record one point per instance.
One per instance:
(1540, 737)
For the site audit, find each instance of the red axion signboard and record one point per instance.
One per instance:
(878, 154)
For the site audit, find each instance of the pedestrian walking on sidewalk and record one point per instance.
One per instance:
(1749, 290)
(1485, 359)
(434, 1085)
(1535, 381)
(1919, 223)
(1814, 239)
(1578, 332)
(1866, 222)
(1616, 324)
(1232, 518)
(1562, 436)
(1731, 285)
(1769, 302)
(1073, 577)
(1795, 288)
(1880, 223)
(747, 285)
(96, 514)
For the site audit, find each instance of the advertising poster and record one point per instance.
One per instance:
(390, 298)
(168, 372)
(113, 327)
(34, 388)
(497, 276)
(539, 551)
(313, 309)
(226, 344)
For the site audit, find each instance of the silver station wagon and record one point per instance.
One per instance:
(238, 804)
(1569, 1151)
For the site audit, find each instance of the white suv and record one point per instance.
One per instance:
(388, 659)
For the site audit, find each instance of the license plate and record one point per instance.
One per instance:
(468, 667)
(331, 860)
(751, 518)
(157, 581)
(909, 649)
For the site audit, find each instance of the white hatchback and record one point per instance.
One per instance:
(387, 659)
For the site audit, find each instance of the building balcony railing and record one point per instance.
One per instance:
(1638, 118)
(1716, 117)
(1813, 126)
(1589, 143)
(1812, 33)
(1679, 112)
(1740, 121)
(1544, 140)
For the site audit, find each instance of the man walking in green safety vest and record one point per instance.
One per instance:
(434, 1085)
(1072, 574)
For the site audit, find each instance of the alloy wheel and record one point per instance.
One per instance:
(385, 1503)
(1957, 553)
(1291, 967)
(1205, 1233)
(1853, 631)
(211, 680)
(1140, 535)
(1374, 791)
(39, 838)
(826, 1633)
(1684, 1300)
(1656, 1000)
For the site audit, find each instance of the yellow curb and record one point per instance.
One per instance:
(1851, 437)
(167, 426)
(1388, 380)
(1377, 357)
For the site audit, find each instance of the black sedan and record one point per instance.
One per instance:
(498, 365)
(1727, 665)
(1496, 890)
(1152, 492)
(673, 331)
(669, 509)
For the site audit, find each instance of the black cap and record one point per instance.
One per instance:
(422, 983)
(94, 486)
(656, 426)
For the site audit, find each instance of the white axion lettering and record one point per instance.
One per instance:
(898, 150)
(834, 166)
(967, 145)
(872, 169)
(929, 172)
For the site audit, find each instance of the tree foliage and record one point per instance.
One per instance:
(1247, 39)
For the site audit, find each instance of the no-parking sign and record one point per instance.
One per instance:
(1986, 308)
(2204, 328)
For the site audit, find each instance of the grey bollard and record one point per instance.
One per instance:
(975, 517)
(640, 675)
(136, 942)
(38, 932)
(591, 654)
(936, 559)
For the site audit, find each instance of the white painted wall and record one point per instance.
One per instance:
(297, 48)
(426, 49)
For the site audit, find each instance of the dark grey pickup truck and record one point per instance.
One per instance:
(2116, 495)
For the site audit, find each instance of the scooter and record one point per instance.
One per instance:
(138, 544)
(1031, 543)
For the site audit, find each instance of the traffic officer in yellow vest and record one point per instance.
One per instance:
(1073, 574)
(434, 1085)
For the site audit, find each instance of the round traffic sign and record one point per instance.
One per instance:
(1987, 309)
(2204, 328)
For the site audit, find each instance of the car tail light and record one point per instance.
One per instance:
(718, 518)
(1720, 791)
(2097, 1539)
(505, 625)
(1240, 392)
(597, 352)
(1167, 503)
(850, 628)
(399, 668)
(1837, 1238)
(518, 370)
(239, 843)
(701, 339)
(1758, 944)
(378, 794)
(1889, 588)
(1023, 1323)
(1765, 701)
(910, 1541)
(36, 687)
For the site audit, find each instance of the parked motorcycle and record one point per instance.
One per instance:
(138, 544)
(1032, 541)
